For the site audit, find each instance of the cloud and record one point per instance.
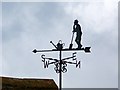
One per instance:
(33, 25)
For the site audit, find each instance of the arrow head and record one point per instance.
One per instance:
(34, 51)
(87, 49)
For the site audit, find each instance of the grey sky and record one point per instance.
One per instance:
(32, 25)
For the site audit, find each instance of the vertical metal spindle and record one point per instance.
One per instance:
(60, 73)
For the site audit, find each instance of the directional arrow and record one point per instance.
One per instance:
(34, 51)
(86, 49)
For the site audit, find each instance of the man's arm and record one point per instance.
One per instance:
(74, 29)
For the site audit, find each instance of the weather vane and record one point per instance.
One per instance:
(61, 64)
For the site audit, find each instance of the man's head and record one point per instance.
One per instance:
(76, 22)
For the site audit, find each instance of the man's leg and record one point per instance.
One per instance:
(79, 44)
(78, 41)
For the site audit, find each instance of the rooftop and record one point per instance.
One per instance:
(28, 83)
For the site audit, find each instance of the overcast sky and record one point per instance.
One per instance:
(30, 25)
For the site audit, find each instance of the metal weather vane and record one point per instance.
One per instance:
(61, 64)
(56, 62)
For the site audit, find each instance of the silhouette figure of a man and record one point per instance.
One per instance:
(77, 29)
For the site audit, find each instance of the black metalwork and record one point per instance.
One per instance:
(61, 64)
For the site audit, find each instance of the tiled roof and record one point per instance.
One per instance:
(8, 82)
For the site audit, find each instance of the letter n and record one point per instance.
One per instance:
(77, 64)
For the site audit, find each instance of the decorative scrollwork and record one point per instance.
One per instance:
(57, 70)
(63, 68)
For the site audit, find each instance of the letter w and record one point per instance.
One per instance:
(46, 63)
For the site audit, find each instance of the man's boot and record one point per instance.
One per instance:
(79, 46)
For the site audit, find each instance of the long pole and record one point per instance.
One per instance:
(60, 73)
